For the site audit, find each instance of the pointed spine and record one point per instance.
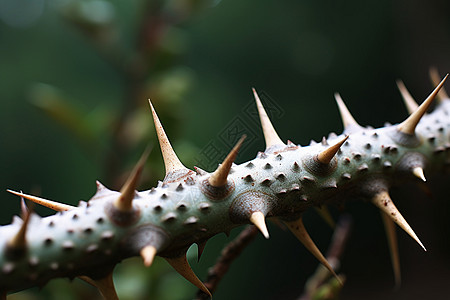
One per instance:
(148, 254)
(104, 285)
(410, 103)
(270, 135)
(418, 172)
(383, 201)
(171, 161)
(258, 219)
(44, 202)
(391, 236)
(409, 125)
(19, 240)
(347, 119)
(327, 155)
(434, 76)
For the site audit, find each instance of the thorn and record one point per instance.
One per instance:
(410, 103)
(270, 135)
(23, 207)
(105, 286)
(326, 215)
(327, 155)
(434, 75)
(219, 177)
(258, 219)
(181, 265)
(409, 125)
(148, 254)
(171, 161)
(384, 202)
(127, 193)
(44, 202)
(418, 172)
(299, 230)
(391, 235)
(201, 246)
(19, 241)
(347, 119)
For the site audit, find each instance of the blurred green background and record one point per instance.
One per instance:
(75, 77)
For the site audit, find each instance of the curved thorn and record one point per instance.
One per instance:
(181, 265)
(171, 161)
(127, 193)
(410, 103)
(270, 135)
(347, 119)
(298, 229)
(325, 214)
(418, 172)
(258, 219)
(44, 202)
(327, 155)
(434, 76)
(148, 254)
(383, 201)
(409, 125)
(104, 285)
(219, 177)
(391, 235)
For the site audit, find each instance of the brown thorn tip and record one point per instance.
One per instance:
(148, 254)
(346, 116)
(171, 161)
(418, 172)
(19, 241)
(44, 202)
(409, 125)
(181, 265)
(105, 286)
(410, 103)
(219, 177)
(391, 235)
(434, 75)
(270, 135)
(327, 155)
(127, 193)
(258, 219)
(383, 201)
(298, 229)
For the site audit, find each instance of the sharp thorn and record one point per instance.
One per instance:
(410, 103)
(327, 155)
(326, 215)
(44, 202)
(347, 119)
(148, 254)
(298, 229)
(219, 177)
(383, 201)
(409, 125)
(434, 75)
(105, 286)
(19, 241)
(171, 161)
(391, 235)
(23, 207)
(270, 135)
(181, 265)
(418, 172)
(128, 192)
(258, 219)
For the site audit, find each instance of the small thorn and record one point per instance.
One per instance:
(105, 286)
(125, 201)
(391, 235)
(410, 103)
(44, 202)
(383, 201)
(19, 241)
(298, 229)
(326, 215)
(148, 254)
(347, 119)
(409, 125)
(434, 75)
(181, 265)
(219, 177)
(258, 219)
(270, 135)
(418, 172)
(23, 207)
(171, 161)
(327, 155)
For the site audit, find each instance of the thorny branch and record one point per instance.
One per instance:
(228, 255)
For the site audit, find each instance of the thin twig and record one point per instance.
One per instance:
(228, 255)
